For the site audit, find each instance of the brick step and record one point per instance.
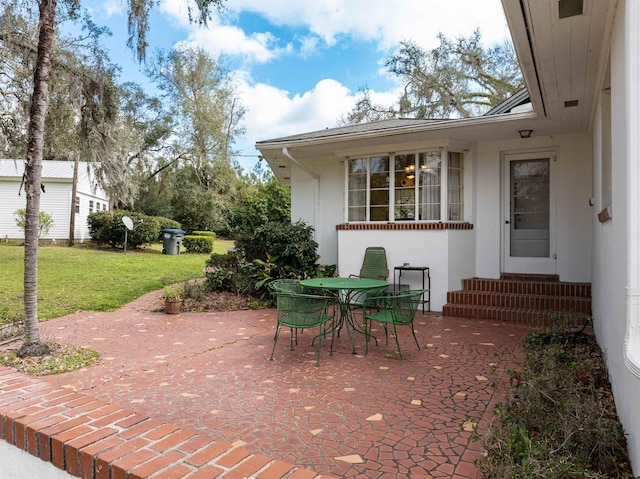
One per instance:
(512, 286)
(575, 304)
(529, 277)
(532, 317)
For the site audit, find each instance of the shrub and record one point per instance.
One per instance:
(285, 244)
(198, 244)
(204, 233)
(276, 251)
(107, 227)
(45, 221)
(223, 272)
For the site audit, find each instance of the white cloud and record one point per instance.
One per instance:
(272, 112)
(384, 23)
(113, 7)
(233, 41)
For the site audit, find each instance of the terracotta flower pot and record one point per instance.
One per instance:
(172, 306)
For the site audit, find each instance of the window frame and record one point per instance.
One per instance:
(392, 216)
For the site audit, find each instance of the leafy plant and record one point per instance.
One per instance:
(285, 244)
(173, 292)
(275, 251)
(45, 221)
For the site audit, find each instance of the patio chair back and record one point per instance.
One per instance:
(397, 308)
(374, 265)
(286, 286)
(303, 311)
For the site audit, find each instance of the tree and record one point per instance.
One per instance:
(138, 26)
(458, 79)
(260, 204)
(196, 175)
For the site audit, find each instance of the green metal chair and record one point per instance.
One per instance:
(374, 265)
(303, 311)
(397, 308)
(286, 286)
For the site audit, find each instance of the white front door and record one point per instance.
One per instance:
(528, 192)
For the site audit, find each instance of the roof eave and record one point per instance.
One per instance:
(436, 126)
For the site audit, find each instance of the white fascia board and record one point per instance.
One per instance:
(435, 126)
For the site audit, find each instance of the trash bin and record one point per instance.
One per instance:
(171, 239)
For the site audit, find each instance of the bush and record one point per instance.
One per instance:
(261, 204)
(198, 244)
(106, 227)
(223, 272)
(204, 233)
(285, 244)
(276, 251)
(45, 221)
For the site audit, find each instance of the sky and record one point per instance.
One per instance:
(298, 64)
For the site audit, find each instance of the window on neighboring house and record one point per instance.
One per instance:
(77, 205)
(417, 191)
(90, 206)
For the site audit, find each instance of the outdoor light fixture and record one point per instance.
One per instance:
(525, 133)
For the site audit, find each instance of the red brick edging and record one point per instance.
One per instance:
(403, 226)
(94, 439)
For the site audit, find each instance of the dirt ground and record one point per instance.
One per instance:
(220, 301)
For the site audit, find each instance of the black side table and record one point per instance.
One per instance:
(425, 274)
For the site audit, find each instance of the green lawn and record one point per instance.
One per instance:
(72, 279)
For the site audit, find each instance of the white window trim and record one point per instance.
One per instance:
(444, 197)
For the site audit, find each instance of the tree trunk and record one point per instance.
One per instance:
(74, 192)
(33, 167)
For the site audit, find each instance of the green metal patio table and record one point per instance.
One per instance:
(345, 288)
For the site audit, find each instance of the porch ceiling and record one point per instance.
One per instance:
(563, 59)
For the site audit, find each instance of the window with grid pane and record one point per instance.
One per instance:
(404, 182)
(357, 189)
(455, 187)
(379, 188)
(429, 185)
(419, 192)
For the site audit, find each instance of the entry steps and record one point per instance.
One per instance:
(537, 300)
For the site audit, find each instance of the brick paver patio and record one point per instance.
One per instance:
(354, 416)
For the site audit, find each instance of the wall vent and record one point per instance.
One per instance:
(570, 103)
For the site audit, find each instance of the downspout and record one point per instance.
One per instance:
(316, 177)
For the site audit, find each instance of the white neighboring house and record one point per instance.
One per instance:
(448, 194)
(56, 200)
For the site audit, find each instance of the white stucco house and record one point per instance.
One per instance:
(549, 188)
(56, 200)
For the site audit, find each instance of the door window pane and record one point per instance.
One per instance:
(529, 229)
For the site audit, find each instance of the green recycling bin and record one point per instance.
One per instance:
(171, 239)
